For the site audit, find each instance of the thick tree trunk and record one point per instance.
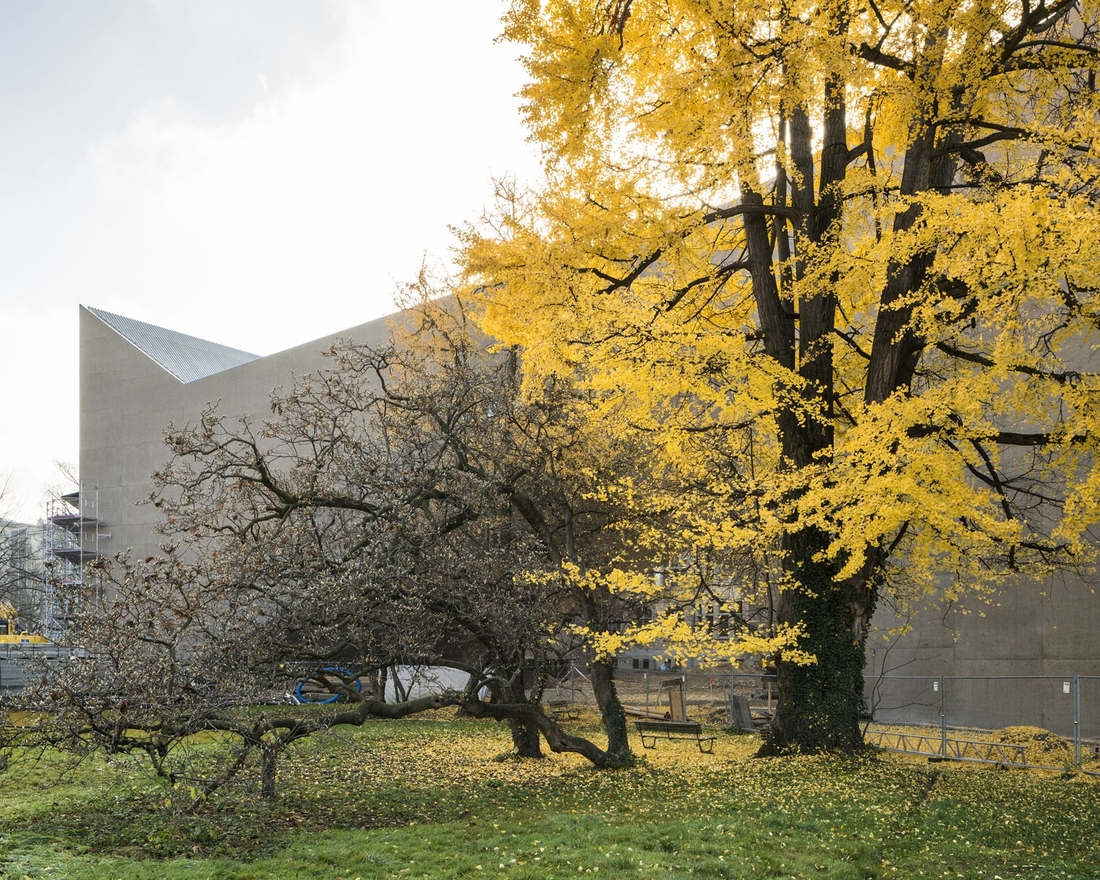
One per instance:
(525, 739)
(820, 704)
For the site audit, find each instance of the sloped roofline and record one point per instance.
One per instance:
(185, 358)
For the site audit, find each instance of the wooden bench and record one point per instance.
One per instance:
(562, 710)
(651, 731)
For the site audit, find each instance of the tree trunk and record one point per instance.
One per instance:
(556, 738)
(269, 754)
(611, 712)
(525, 735)
(525, 739)
(820, 704)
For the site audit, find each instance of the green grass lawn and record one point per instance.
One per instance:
(425, 798)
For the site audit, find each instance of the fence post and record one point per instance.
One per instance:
(729, 695)
(645, 678)
(943, 715)
(1076, 721)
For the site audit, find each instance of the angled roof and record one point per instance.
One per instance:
(187, 358)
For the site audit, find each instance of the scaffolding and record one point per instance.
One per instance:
(73, 532)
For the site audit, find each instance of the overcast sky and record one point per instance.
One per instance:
(255, 172)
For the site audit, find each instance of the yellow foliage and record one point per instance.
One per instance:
(837, 266)
(674, 639)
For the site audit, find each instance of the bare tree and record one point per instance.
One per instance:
(420, 461)
(405, 507)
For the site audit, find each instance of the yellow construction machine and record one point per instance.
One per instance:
(9, 632)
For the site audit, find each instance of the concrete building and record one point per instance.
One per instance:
(1032, 656)
(136, 379)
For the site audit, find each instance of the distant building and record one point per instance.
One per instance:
(136, 379)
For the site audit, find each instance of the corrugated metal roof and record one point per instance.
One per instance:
(187, 358)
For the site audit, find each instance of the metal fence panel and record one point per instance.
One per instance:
(900, 699)
(985, 702)
(941, 710)
(1089, 712)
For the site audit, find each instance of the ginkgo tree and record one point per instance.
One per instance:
(838, 262)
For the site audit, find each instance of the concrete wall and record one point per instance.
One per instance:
(127, 400)
(1011, 661)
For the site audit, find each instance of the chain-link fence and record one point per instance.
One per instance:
(711, 698)
(1065, 705)
(951, 717)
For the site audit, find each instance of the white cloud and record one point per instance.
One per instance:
(274, 224)
(326, 194)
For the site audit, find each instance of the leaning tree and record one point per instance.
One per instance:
(574, 486)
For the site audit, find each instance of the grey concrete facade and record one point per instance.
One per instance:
(1027, 655)
(127, 399)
